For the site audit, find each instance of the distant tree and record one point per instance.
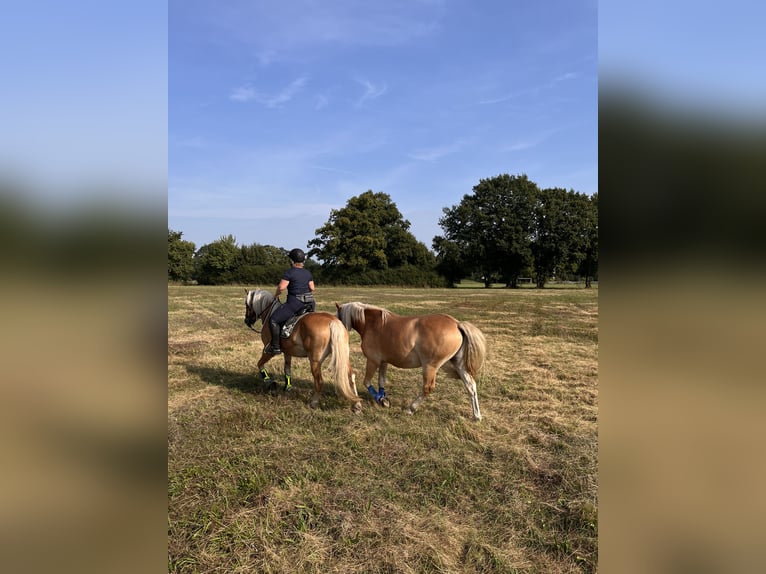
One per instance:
(588, 266)
(403, 249)
(180, 257)
(492, 230)
(560, 233)
(450, 262)
(261, 264)
(257, 254)
(464, 225)
(579, 231)
(369, 233)
(217, 262)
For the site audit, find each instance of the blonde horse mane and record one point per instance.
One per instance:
(258, 300)
(353, 313)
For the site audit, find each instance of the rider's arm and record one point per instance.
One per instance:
(311, 285)
(281, 287)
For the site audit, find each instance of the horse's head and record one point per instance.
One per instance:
(256, 303)
(342, 314)
(352, 314)
(250, 315)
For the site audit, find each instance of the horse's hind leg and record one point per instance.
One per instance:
(429, 384)
(316, 373)
(470, 386)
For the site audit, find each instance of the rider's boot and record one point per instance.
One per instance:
(274, 348)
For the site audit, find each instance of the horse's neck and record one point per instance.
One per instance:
(359, 328)
(268, 308)
(372, 318)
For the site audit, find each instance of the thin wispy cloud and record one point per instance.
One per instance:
(247, 93)
(283, 96)
(191, 142)
(522, 145)
(531, 90)
(507, 96)
(321, 102)
(332, 169)
(438, 152)
(565, 77)
(265, 57)
(242, 94)
(491, 101)
(533, 141)
(371, 92)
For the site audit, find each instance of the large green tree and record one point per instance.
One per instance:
(180, 257)
(368, 233)
(563, 223)
(491, 229)
(217, 262)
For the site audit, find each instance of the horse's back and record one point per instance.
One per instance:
(315, 323)
(412, 341)
(317, 316)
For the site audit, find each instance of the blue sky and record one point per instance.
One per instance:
(282, 111)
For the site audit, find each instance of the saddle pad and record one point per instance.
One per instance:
(287, 328)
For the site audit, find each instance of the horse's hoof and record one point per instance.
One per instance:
(409, 412)
(357, 408)
(314, 404)
(384, 402)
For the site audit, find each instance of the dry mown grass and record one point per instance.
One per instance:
(263, 483)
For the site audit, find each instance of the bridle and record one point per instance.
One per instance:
(263, 316)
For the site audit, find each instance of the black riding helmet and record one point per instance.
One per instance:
(297, 255)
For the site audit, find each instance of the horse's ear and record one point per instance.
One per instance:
(338, 306)
(245, 291)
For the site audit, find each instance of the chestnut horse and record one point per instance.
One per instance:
(316, 336)
(426, 341)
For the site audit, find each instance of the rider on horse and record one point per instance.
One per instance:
(299, 284)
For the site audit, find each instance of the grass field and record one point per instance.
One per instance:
(261, 482)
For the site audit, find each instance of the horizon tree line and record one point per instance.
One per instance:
(505, 230)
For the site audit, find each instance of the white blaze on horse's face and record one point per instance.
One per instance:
(250, 315)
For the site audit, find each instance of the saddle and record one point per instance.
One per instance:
(287, 328)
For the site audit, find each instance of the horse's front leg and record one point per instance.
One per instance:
(316, 373)
(288, 372)
(268, 382)
(369, 372)
(429, 383)
(380, 397)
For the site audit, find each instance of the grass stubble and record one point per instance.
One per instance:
(261, 482)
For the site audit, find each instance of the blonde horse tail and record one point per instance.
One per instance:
(475, 347)
(341, 364)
